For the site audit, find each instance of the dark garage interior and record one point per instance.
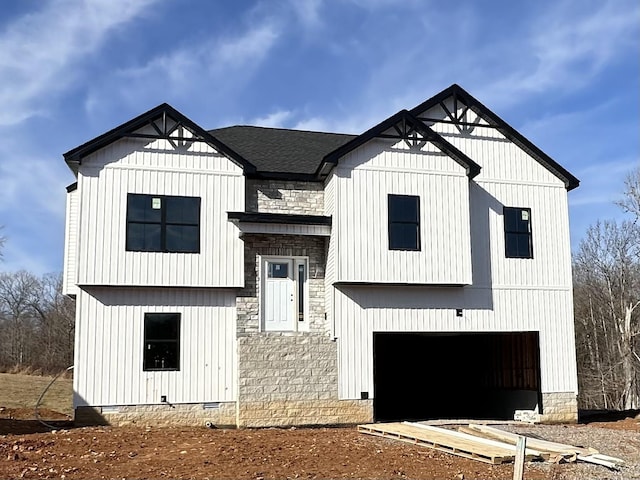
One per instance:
(424, 376)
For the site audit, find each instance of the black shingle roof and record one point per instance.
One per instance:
(280, 150)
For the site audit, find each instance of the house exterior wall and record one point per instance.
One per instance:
(233, 372)
(133, 166)
(505, 294)
(361, 311)
(360, 186)
(275, 196)
(109, 347)
(69, 278)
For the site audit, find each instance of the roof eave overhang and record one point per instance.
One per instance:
(281, 224)
(281, 218)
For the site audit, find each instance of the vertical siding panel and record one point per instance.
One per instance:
(109, 330)
(132, 167)
(366, 176)
(69, 277)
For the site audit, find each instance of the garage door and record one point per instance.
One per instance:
(420, 376)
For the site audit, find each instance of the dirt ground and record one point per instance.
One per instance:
(30, 450)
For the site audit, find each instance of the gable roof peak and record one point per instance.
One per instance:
(163, 129)
(486, 114)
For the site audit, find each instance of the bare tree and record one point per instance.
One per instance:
(607, 308)
(18, 294)
(631, 201)
(3, 240)
(36, 322)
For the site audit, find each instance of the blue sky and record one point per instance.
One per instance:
(565, 73)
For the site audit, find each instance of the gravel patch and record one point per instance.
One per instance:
(616, 443)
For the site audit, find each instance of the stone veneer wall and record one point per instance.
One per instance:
(281, 196)
(292, 379)
(219, 414)
(559, 407)
(248, 299)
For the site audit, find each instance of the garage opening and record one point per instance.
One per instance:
(423, 376)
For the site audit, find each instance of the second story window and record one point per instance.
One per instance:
(161, 223)
(404, 222)
(517, 232)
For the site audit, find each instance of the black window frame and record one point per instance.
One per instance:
(163, 223)
(394, 223)
(519, 232)
(149, 317)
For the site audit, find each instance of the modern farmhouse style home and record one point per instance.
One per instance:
(256, 276)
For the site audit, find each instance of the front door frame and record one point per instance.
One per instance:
(300, 270)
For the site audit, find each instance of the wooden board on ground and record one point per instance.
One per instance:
(542, 445)
(544, 454)
(446, 441)
(553, 451)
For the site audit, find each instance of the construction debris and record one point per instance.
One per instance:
(487, 444)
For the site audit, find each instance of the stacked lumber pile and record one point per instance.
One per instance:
(487, 444)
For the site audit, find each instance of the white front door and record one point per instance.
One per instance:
(279, 301)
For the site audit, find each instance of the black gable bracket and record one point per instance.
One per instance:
(409, 128)
(494, 121)
(168, 124)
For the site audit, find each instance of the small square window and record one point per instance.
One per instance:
(278, 270)
(517, 232)
(161, 341)
(404, 222)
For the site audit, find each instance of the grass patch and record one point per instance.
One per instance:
(23, 391)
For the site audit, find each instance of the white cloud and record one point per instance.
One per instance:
(211, 67)
(249, 47)
(275, 119)
(308, 12)
(38, 51)
(569, 45)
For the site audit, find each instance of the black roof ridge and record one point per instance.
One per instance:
(284, 129)
(507, 130)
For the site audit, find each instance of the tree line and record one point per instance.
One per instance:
(37, 321)
(606, 280)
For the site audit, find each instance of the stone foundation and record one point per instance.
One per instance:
(292, 379)
(304, 412)
(196, 414)
(559, 407)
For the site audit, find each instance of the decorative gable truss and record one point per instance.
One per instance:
(455, 106)
(404, 126)
(160, 123)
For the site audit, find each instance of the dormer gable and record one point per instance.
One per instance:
(406, 127)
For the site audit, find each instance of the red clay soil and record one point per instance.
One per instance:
(200, 453)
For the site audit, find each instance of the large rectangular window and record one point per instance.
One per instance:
(161, 223)
(517, 232)
(161, 341)
(404, 222)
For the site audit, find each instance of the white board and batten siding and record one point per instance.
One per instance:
(361, 311)
(69, 276)
(357, 193)
(505, 294)
(110, 338)
(157, 168)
